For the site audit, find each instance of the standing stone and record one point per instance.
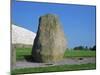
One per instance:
(50, 43)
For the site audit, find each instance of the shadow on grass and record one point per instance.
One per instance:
(29, 58)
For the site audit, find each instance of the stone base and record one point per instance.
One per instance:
(48, 58)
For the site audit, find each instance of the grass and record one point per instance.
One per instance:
(22, 52)
(80, 53)
(54, 69)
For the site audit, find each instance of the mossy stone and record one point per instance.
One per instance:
(50, 42)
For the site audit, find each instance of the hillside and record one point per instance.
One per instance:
(21, 35)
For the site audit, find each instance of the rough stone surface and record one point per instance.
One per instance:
(50, 43)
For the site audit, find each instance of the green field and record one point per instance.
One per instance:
(22, 52)
(80, 53)
(54, 69)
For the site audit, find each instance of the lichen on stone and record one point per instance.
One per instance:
(50, 42)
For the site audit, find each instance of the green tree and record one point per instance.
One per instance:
(93, 48)
(79, 48)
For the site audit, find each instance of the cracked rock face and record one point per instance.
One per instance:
(50, 42)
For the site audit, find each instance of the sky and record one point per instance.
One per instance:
(77, 21)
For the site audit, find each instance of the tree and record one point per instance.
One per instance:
(93, 48)
(79, 48)
(86, 48)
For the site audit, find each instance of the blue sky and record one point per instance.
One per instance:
(78, 21)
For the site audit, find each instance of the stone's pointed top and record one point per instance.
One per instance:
(49, 15)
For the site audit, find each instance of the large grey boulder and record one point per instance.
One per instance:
(50, 43)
